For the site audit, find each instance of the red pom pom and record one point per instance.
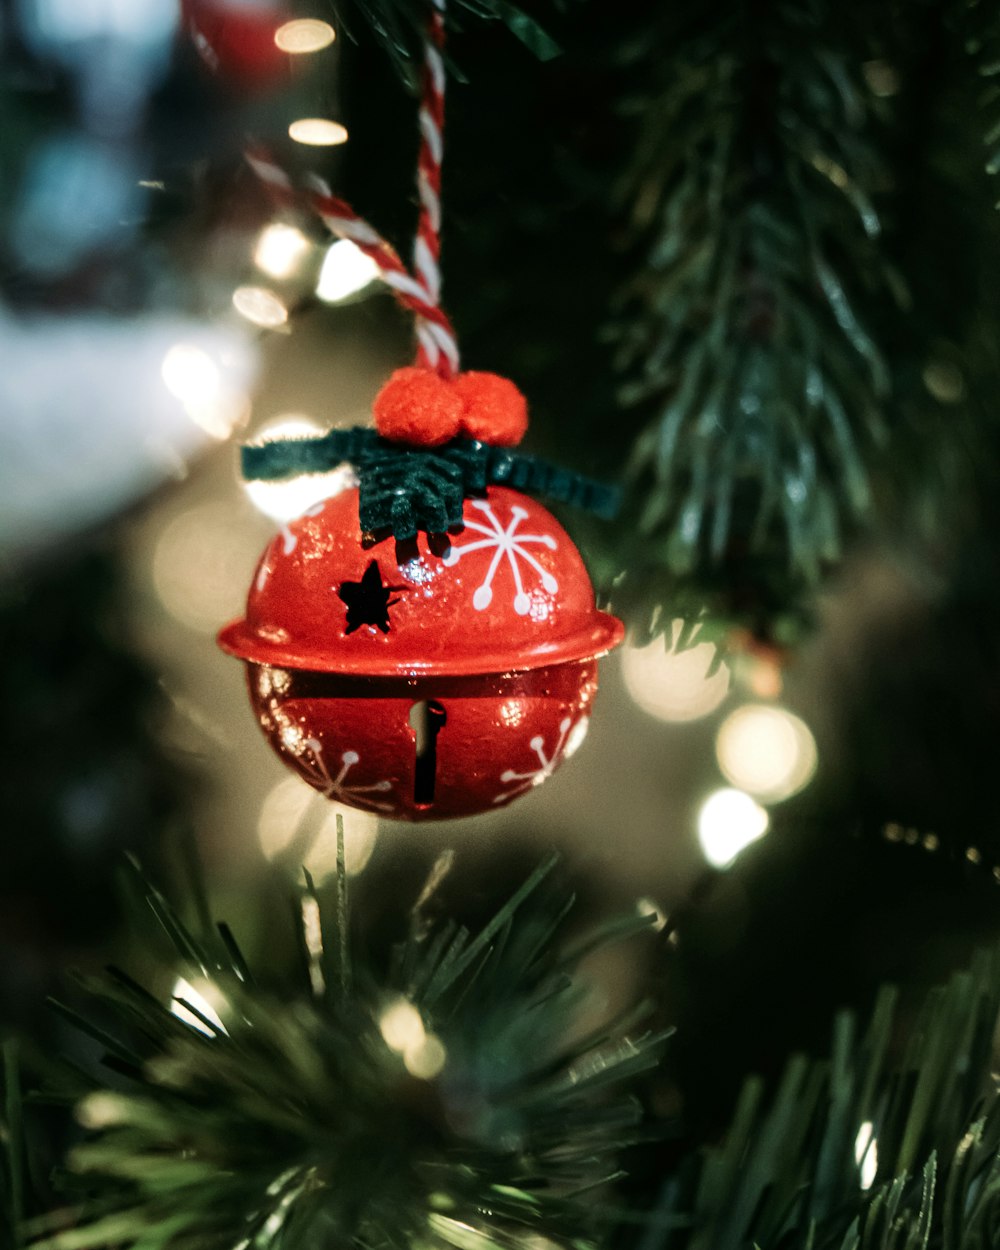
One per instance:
(417, 406)
(493, 409)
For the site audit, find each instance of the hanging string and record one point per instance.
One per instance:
(418, 291)
(427, 245)
(401, 489)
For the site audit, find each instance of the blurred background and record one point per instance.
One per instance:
(804, 791)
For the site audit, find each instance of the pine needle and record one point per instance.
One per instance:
(442, 1105)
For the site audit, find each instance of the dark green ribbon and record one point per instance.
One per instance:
(407, 490)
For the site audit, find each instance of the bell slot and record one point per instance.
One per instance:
(427, 719)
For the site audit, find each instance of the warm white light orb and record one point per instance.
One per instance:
(281, 814)
(318, 132)
(304, 35)
(188, 371)
(674, 685)
(280, 248)
(291, 497)
(728, 822)
(402, 1029)
(402, 1026)
(766, 751)
(260, 306)
(346, 271)
(192, 376)
(425, 1060)
(296, 822)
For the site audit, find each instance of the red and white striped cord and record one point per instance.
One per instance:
(419, 291)
(427, 246)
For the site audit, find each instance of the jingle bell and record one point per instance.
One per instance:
(429, 679)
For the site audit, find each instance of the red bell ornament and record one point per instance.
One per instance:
(423, 681)
(235, 38)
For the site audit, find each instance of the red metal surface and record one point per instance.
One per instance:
(510, 594)
(352, 739)
(416, 683)
(236, 39)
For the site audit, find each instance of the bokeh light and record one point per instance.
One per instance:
(425, 1060)
(346, 271)
(287, 499)
(280, 249)
(401, 1025)
(882, 78)
(260, 306)
(202, 563)
(674, 685)
(766, 751)
(402, 1029)
(205, 997)
(866, 1154)
(192, 376)
(945, 381)
(298, 825)
(318, 132)
(304, 35)
(728, 822)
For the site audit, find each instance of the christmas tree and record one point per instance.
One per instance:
(446, 362)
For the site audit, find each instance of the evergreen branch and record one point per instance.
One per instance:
(982, 41)
(315, 1119)
(400, 26)
(745, 335)
(869, 1151)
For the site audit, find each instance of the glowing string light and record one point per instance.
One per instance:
(766, 751)
(674, 685)
(304, 35)
(296, 823)
(192, 376)
(728, 822)
(319, 132)
(346, 271)
(280, 249)
(260, 306)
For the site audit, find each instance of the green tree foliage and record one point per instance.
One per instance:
(890, 1143)
(294, 1118)
(754, 182)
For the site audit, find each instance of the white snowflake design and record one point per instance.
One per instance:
(290, 541)
(510, 543)
(570, 738)
(308, 752)
(313, 766)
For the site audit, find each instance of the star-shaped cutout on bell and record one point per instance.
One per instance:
(368, 601)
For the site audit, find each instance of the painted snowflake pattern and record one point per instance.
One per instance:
(507, 542)
(289, 541)
(308, 752)
(312, 764)
(569, 740)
